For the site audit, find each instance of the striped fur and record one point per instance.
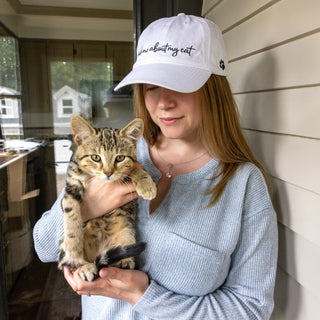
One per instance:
(108, 154)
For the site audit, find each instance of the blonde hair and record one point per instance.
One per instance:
(220, 132)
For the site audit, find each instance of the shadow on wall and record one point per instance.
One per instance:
(263, 77)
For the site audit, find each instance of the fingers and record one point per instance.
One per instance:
(127, 285)
(77, 284)
(112, 273)
(100, 187)
(123, 278)
(101, 197)
(129, 197)
(125, 187)
(69, 277)
(67, 273)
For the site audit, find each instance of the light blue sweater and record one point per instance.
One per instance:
(204, 263)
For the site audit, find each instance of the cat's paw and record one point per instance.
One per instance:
(67, 259)
(128, 263)
(147, 190)
(88, 272)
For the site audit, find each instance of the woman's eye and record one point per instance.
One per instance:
(120, 158)
(95, 158)
(151, 87)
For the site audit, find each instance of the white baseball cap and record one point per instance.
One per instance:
(178, 53)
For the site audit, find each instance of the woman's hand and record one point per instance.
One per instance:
(126, 285)
(101, 197)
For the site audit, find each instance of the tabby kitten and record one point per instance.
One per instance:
(108, 154)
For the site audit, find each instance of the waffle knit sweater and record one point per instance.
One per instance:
(204, 263)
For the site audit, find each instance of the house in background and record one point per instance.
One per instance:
(9, 107)
(10, 110)
(67, 101)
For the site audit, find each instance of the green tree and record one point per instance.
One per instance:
(81, 76)
(9, 63)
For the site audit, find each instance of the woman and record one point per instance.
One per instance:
(211, 231)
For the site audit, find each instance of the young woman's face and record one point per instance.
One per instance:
(176, 114)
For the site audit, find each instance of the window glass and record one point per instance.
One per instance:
(67, 102)
(82, 78)
(10, 87)
(79, 88)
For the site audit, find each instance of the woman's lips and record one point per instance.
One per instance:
(169, 120)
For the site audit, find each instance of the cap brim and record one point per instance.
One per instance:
(174, 77)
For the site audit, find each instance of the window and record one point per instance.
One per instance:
(67, 102)
(10, 86)
(79, 87)
(68, 111)
(6, 112)
(82, 75)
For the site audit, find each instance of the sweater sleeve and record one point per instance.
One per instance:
(48, 231)
(247, 292)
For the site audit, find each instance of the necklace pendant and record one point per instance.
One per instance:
(168, 174)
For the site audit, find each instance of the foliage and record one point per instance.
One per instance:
(81, 76)
(9, 63)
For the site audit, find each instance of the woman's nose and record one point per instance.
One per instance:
(166, 99)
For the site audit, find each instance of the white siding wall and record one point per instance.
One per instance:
(274, 50)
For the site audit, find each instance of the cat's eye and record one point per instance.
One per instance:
(120, 158)
(95, 157)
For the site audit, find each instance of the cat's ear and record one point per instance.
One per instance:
(133, 130)
(81, 129)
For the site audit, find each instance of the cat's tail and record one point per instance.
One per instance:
(116, 254)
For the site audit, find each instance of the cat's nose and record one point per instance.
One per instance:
(108, 173)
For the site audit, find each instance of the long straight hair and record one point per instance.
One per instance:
(220, 132)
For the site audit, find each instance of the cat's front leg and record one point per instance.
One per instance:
(72, 244)
(65, 258)
(145, 186)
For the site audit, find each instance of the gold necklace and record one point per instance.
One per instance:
(170, 165)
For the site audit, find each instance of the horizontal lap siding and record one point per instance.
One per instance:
(273, 49)
(294, 64)
(300, 258)
(293, 301)
(289, 158)
(298, 209)
(277, 24)
(293, 112)
(229, 12)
